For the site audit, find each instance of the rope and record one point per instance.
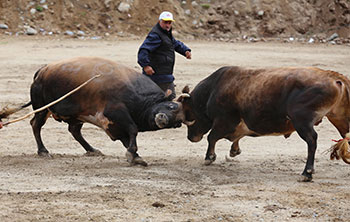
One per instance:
(50, 104)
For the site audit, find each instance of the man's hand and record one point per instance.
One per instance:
(0, 124)
(188, 55)
(148, 70)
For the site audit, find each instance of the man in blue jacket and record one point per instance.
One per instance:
(156, 55)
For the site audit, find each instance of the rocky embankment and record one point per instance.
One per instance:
(311, 21)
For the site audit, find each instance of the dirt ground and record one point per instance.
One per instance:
(261, 184)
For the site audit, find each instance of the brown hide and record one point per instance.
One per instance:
(263, 87)
(234, 102)
(75, 71)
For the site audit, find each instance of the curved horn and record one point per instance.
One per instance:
(161, 120)
(182, 96)
(185, 95)
(189, 123)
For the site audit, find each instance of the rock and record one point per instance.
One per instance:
(124, 7)
(80, 33)
(31, 31)
(107, 2)
(158, 204)
(68, 32)
(343, 4)
(333, 36)
(96, 37)
(188, 12)
(32, 11)
(261, 13)
(3, 26)
(194, 4)
(42, 1)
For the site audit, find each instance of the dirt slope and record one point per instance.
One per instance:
(212, 19)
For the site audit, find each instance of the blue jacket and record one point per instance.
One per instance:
(149, 47)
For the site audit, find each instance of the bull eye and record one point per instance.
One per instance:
(172, 106)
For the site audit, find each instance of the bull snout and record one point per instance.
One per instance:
(194, 138)
(177, 124)
(161, 120)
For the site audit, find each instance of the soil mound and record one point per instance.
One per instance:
(209, 19)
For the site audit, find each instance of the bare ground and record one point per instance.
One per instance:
(258, 185)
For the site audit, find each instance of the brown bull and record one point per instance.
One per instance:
(234, 102)
(121, 101)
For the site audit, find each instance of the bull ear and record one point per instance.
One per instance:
(167, 93)
(186, 89)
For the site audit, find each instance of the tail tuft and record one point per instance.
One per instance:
(341, 149)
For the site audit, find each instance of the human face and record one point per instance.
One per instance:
(166, 25)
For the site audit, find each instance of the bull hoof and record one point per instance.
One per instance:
(134, 160)
(209, 159)
(139, 161)
(229, 159)
(95, 152)
(234, 153)
(306, 176)
(305, 179)
(45, 154)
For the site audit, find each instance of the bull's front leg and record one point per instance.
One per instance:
(210, 156)
(131, 154)
(126, 130)
(221, 127)
(235, 150)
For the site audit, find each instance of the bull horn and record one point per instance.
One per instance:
(182, 96)
(341, 149)
(189, 123)
(185, 95)
(161, 120)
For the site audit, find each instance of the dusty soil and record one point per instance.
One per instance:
(213, 19)
(261, 184)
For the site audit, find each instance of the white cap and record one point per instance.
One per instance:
(166, 16)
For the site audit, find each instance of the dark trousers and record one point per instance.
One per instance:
(168, 85)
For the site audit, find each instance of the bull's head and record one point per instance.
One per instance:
(167, 114)
(197, 125)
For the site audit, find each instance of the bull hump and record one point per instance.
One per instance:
(86, 67)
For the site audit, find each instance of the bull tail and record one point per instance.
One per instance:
(5, 112)
(341, 149)
(26, 105)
